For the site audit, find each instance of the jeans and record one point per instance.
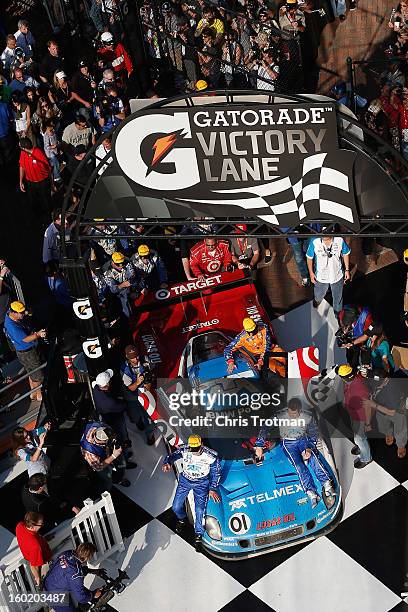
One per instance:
(320, 290)
(339, 7)
(360, 440)
(200, 490)
(55, 167)
(297, 248)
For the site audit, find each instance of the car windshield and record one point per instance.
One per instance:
(208, 346)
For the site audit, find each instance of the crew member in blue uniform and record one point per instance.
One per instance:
(299, 445)
(200, 474)
(66, 575)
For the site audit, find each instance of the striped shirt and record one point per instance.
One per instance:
(35, 165)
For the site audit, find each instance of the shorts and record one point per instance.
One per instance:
(31, 360)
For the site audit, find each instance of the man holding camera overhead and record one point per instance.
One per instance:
(325, 257)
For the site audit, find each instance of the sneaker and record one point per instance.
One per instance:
(305, 282)
(150, 440)
(328, 488)
(342, 17)
(355, 450)
(389, 440)
(352, 5)
(316, 304)
(125, 482)
(401, 452)
(267, 258)
(359, 465)
(131, 465)
(198, 540)
(180, 526)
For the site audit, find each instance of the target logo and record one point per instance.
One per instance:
(162, 294)
(213, 266)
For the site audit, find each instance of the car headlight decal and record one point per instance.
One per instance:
(213, 528)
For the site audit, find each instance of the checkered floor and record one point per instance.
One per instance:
(362, 564)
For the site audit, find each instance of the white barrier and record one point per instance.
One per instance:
(95, 523)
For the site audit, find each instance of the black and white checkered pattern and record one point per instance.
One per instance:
(323, 189)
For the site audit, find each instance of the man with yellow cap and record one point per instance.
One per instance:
(256, 341)
(150, 267)
(356, 391)
(19, 330)
(200, 474)
(124, 281)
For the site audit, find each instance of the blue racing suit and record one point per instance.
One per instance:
(66, 575)
(201, 472)
(295, 439)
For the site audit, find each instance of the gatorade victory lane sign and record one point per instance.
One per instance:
(281, 164)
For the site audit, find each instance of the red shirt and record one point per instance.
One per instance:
(36, 166)
(403, 118)
(34, 547)
(354, 392)
(206, 260)
(118, 57)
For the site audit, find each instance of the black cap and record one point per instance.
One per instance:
(82, 63)
(80, 149)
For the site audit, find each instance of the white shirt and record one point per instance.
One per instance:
(328, 264)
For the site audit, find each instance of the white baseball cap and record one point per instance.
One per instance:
(61, 75)
(106, 37)
(103, 378)
(101, 435)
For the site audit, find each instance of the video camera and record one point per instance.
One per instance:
(112, 587)
(343, 337)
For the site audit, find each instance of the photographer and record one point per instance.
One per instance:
(28, 446)
(291, 18)
(267, 68)
(110, 409)
(136, 375)
(378, 348)
(19, 330)
(103, 457)
(109, 109)
(67, 572)
(354, 322)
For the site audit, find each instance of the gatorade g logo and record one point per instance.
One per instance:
(82, 309)
(92, 348)
(153, 151)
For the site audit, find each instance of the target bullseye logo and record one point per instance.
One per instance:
(162, 294)
(213, 266)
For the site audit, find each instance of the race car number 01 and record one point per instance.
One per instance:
(240, 523)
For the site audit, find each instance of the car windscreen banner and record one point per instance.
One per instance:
(280, 163)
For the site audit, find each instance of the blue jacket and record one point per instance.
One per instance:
(66, 575)
(6, 120)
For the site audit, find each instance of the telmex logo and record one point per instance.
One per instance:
(244, 502)
(164, 294)
(282, 164)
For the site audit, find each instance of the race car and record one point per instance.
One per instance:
(184, 330)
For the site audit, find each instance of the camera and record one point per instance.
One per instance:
(343, 337)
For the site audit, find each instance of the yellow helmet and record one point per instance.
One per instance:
(17, 306)
(249, 324)
(118, 257)
(194, 441)
(405, 254)
(201, 85)
(344, 370)
(143, 250)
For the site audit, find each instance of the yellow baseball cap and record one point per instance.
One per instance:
(118, 257)
(17, 306)
(201, 85)
(143, 250)
(194, 441)
(249, 324)
(344, 370)
(405, 254)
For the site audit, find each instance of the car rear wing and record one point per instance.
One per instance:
(179, 292)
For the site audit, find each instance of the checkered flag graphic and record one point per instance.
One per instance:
(324, 189)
